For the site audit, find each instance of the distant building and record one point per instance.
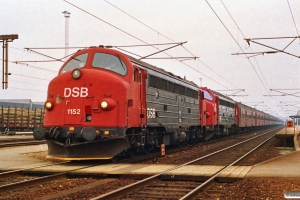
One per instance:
(296, 118)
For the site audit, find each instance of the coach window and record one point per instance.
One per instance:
(109, 62)
(75, 62)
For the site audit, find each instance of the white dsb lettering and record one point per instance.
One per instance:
(76, 92)
(150, 112)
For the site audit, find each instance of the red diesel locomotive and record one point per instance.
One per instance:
(103, 104)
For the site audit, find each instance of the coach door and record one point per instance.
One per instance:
(202, 109)
(143, 112)
(136, 113)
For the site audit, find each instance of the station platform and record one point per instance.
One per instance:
(17, 158)
(17, 135)
(287, 132)
(14, 158)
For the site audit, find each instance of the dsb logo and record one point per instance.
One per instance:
(76, 92)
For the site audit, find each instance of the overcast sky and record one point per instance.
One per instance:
(213, 30)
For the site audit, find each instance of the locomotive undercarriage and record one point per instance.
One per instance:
(148, 138)
(221, 131)
(82, 143)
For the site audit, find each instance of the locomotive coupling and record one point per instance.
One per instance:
(39, 133)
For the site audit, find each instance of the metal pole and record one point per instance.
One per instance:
(6, 65)
(3, 65)
(67, 16)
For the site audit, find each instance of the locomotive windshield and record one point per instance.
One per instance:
(109, 62)
(207, 96)
(75, 62)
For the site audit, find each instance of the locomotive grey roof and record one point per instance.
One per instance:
(224, 97)
(159, 72)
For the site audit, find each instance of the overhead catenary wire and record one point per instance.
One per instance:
(238, 43)
(28, 83)
(168, 39)
(140, 40)
(235, 42)
(245, 37)
(14, 74)
(250, 48)
(27, 89)
(293, 17)
(31, 66)
(147, 25)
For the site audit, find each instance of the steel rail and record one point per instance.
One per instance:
(119, 192)
(194, 192)
(12, 144)
(34, 181)
(19, 171)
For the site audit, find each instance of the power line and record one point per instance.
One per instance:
(244, 37)
(165, 37)
(27, 89)
(138, 39)
(250, 47)
(216, 73)
(265, 86)
(146, 25)
(30, 77)
(27, 83)
(236, 43)
(31, 66)
(293, 17)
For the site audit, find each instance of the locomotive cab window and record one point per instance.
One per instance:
(207, 96)
(75, 62)
(109, 62)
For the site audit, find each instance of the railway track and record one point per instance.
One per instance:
(11, 180)
(153, 185)
(155, 156)
(20, 142)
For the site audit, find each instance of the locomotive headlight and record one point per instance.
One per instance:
(104, 104)
(108, 104)
(76, 73)
(49, 105)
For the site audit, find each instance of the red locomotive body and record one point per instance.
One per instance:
(93, 96)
